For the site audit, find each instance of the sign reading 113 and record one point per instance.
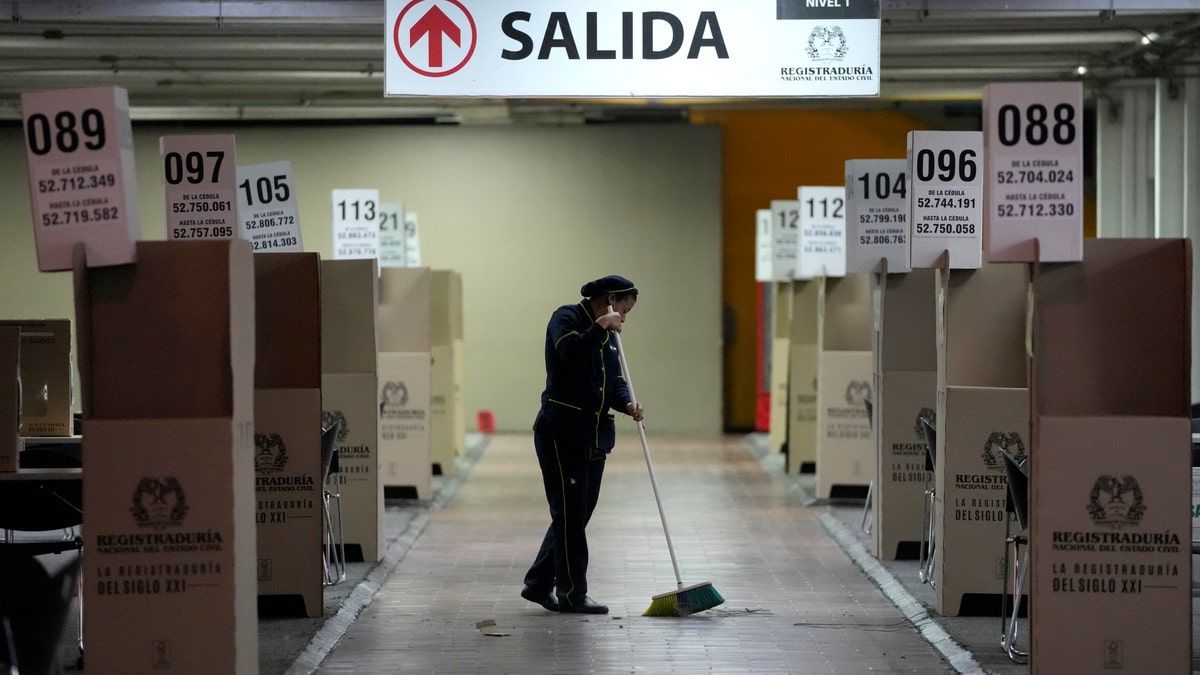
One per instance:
(362, 211)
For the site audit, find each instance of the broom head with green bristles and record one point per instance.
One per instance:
(685, 601)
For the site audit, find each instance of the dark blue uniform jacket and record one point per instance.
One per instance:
(583, 380)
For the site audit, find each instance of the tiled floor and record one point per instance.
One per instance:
(795, 603)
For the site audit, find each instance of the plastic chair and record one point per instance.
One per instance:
(925, 566)
(43, 505)
(34, 606)
(1016, 554)
(333, 558)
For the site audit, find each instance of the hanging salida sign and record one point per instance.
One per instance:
(668, 48)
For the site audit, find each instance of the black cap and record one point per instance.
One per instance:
(614, 284)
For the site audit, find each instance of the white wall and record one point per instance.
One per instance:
(527, 214)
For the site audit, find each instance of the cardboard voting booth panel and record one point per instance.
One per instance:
(906, 390)
(802, 377)
(287, 427)
(442, 397)
(982, 411)
(404, 434)
(447, 425)
(1111, 583)
(349, 380)
(459, 419)
(166, 354)
(45, 376)
(458, 345)
(845, 450)
(969, 511)
(405, 309)
(779, 368)
(10, 396)
(405, 380)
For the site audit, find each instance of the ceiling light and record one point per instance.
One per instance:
(1081, 70)
(1149, 37)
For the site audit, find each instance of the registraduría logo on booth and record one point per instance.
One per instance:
(1116, 502)
(159, 502)
(270, 453)
(331, 417)
(999, 443)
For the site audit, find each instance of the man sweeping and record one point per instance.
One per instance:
(574, 432)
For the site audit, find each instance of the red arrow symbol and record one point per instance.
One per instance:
(435, 24)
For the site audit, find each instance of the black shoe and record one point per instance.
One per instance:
(543, 598)
(584, 606)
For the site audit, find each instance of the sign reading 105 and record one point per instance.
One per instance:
(267, 189)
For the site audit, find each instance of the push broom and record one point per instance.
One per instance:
(683, 600)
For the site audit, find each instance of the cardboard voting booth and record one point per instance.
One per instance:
(447, 424)
(845, 450)
(802, 376)
(166, 359)
(287, 427)
(45, 376)
(10, 396)
(349, 380)
(1111, 585)
(906, 389)
(779, 342)
(405, 372)
(982, 412)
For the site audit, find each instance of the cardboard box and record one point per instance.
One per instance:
(404, 412)
(287, 431)
(349, 382)
(442, 405)
(166, 354)
(45, 376)
(352, 398)
(1109, 490)
(845, 449)
(982, 408)
(779, 366)
(10, 396)
(405, 309)
(458, 420)
(802, 377)
(906, 389)
(448, 420)
(969, 511)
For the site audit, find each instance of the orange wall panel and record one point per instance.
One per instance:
(767, 155)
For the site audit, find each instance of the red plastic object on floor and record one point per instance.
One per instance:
(486, 421)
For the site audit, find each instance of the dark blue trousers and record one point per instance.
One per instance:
(572, 485)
